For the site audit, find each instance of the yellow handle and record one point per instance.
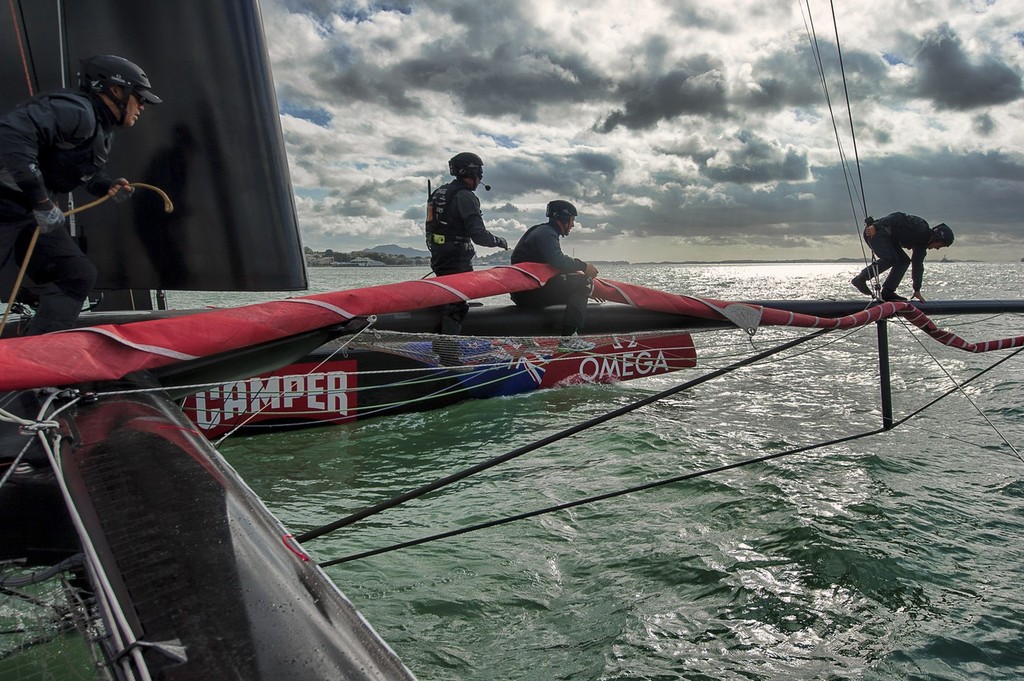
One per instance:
(168, 206)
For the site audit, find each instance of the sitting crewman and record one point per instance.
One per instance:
(572, 288)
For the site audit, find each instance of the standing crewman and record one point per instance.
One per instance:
(887, 237)
(454, 224)
(572, 287)
(50, 145)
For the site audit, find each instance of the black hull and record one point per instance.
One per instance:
(186, 554)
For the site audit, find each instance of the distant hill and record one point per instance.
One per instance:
(392, 249)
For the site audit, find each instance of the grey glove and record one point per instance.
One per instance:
(501, 243)
(124, 193)
(48, 218)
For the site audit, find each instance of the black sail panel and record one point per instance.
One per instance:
(215, 145)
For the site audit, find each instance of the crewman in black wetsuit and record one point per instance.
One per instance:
(52, 144)
(454, 224)
(573, 287)
(887, 237)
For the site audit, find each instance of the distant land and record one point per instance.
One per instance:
(391, 254)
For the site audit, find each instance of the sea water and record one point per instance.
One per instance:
(894, 556)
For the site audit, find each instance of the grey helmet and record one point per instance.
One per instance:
(943, 234)
(466, 164)
(101, 72)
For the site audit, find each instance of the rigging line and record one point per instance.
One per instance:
(120, 629)
(849, 109)
(537, 444)
(812, 38)
(958, 387)
(21, 47)
(657, 483)
(851, 188)
(602, 497)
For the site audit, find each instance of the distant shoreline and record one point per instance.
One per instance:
(799, 261)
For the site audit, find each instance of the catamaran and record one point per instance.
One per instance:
(171, 566)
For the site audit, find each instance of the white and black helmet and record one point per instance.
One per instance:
(101, 72)
(561, 210)
(466, 164)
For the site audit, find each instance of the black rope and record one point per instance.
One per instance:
(599, 497)
(537, 444)
(849, 111)
(855, 190)
(658, 483)
(812, 37)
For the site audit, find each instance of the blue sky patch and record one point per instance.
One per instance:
(314, 115)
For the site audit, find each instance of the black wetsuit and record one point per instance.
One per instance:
(893, 233)
(51, 144)
(571, 288)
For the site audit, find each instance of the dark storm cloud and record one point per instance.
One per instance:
(582, 175)
(486, 63)
(950, 79)
(507, 209)
(350, 10)
(695, 87)
(790, 77)
(359, 201)
(699, 14)
(983, 124)
(370, 83)
(512, 80)
(405, 147)
(371, 199)
(754, 161)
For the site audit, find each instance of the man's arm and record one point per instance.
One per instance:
(38, 125)
(551, 253)
(467, 206)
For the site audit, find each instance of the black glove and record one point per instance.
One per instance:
(500, 243)
(48, 217)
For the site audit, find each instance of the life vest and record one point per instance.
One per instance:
(438, 229)
(65, 166)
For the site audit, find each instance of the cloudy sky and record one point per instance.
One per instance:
(682, 129)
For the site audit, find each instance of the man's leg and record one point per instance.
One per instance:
(885, 255)
(57, 260)
(577, 289)
(899, 268)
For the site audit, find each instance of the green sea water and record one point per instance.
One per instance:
(890, 557)
(895, 556)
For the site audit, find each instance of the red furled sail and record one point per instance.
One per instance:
(110, 352)
(751, 316)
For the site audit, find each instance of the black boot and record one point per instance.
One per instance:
(892, 296)
(860, 282)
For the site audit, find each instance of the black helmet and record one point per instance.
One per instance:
(943, 234)
(466, 164)
(561, 210)
(102, 71)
